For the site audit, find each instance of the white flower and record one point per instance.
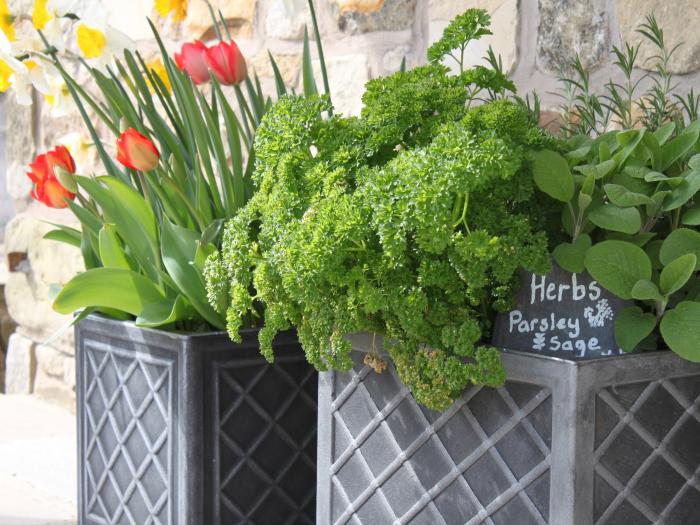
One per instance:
(58, 97)
(93, 11)
(80, 149)
(99, 45)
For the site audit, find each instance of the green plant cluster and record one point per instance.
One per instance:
(145, 236)
(410, 221)
(631, 210)
(631, 206)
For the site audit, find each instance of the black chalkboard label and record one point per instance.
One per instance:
(561, 314)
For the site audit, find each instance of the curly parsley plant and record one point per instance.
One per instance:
(410, 221)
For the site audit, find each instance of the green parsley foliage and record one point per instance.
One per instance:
(411, 220)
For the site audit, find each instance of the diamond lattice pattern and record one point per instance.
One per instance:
(484, 460)
(647, 453)
(126, 429)
(267, 440)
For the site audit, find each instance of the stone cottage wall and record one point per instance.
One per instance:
(363, 39)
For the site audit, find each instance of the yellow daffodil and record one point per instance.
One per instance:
(5, 73)
(158, 69)
(7, 21)
(40, 14)
(91, 41)
(100, 44)
(177, 7)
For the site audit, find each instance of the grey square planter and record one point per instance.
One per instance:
(192, 429)
(614, 440)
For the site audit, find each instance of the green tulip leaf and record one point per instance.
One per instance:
(617, 266)
(111, 250)
(65, 235)
(680, 329)
(552, 175)
(179, 250)
(165, 312)
(632, 326)
(114, 288)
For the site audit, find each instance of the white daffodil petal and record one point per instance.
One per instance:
(54, 31)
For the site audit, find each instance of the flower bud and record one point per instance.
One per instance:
(227, 63)
(136, 151)
(192, 58)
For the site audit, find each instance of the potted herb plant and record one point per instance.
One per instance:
(389, 241)
(176, 423)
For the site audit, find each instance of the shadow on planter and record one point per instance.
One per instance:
(611, 440)
(192, 429)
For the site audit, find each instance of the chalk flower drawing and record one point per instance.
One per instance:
(603, 313)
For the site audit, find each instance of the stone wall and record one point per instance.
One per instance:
(362, 39)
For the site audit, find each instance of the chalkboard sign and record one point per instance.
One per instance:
(561, 314)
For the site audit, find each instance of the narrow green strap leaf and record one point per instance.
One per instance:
(64, 234)
(307, 68)
(321, 56)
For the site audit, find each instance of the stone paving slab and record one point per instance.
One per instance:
(37, 463)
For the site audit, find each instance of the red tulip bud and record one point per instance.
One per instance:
(193, 59)
(227, 63)
(136, 151)
(44, 174)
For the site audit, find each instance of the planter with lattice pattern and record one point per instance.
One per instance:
(192, 429)
(611, 441)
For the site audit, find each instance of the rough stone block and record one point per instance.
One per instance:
(678, 19)
(47, 262)
(391, 61)
(50, 361)
(20, 365)
(504, 25)
(286, 19)
(362, 16)
(569, 28)
(238, 15)
(347, 76)
(289, 66)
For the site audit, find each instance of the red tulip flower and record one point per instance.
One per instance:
(43, 173)
(136, 151)
(227, 63)
(193, 59)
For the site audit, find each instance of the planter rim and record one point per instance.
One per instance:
(360, 342)
(165, 333)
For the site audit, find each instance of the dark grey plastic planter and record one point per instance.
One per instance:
(614, 441)
(192, 429)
